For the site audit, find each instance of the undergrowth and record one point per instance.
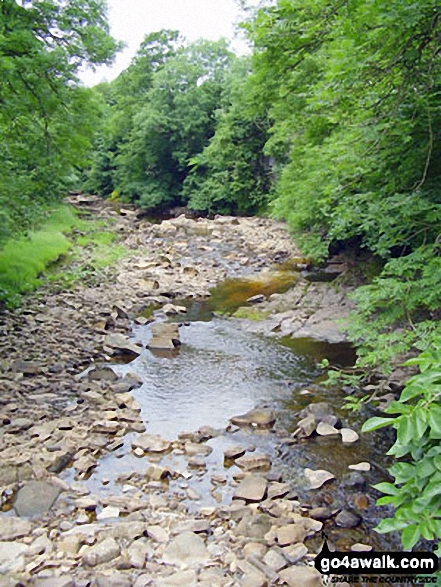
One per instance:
(64, 251)
(23, 260)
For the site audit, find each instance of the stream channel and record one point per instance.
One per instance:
(221, 371)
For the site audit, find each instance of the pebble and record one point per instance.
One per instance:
(348, 436)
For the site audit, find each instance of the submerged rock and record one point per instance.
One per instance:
(258, 417)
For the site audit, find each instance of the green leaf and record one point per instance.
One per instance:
(435, 419)
(406, 430)
(376, 423)
(388, 488)
(410, 536)
(390, 525)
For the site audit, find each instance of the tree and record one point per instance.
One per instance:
(232, 175)
(45, 116)
(174, 124)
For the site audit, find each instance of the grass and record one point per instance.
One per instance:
(64, 250)
(23, 260)
(251, 314)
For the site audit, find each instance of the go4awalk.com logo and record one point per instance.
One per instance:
(395, 568)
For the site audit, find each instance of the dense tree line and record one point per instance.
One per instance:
(46, 117)
(333, 124)
(172, 122)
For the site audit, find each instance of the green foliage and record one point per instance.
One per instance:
(23, 260)
(401, 307)
(416, 490)
(46, 119)
(151, 135)
(232, 175)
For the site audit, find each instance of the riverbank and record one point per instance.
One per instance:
(63, 410)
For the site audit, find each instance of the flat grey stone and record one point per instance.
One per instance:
(301, 577)
(12, 557)
(251, 488)
(103, 552)
(12, 527)
(187, 548)
(35, 498)
(54, 582)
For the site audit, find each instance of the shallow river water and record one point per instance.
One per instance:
(220, 371)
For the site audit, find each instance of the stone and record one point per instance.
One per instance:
(251, 488)
(254, 462)
(324, 429)
(187, 548)
(358, 547)
(257, 299)
(318, 478)
(354, 480)
(297, 576)
(138, 552)
(12, 557)
(255, 526)
(108, 513)
(295, 552)
(63, 581)
(234, 452)
(172, 310)
(35, 498)
(193, 448)
(19, 424)
(291, 534)
(116, 579)
(255, 549)
(275, 559)
(100, 553)
(179, 579)
(320, 513)
(122, 345)
(348, 436)
(306, 426)
(346, 519)
(102, 374)
(278, 490)
(158, 533)
(12, 528)
(151, 443)
(363, 467)
(257, 418)
(165, 336)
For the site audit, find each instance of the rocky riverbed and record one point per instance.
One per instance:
(63, 410)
